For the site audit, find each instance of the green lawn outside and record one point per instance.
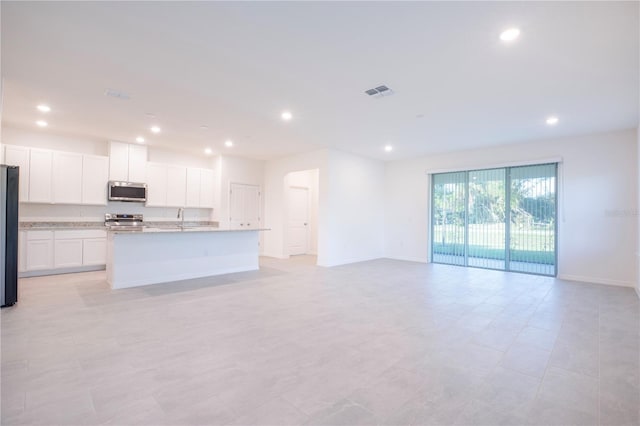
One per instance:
(488, 241)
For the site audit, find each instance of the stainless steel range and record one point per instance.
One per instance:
(124, 222)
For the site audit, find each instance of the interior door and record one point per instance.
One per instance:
(244, 206)
(298, 220)
(236, 206)
(252, 206)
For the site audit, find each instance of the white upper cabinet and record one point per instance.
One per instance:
(67, 178)
(193, 187)
(95, 175)
(156, 180)
(137, 163)
(200, 188)
(118, 161)
(40, 173)
(176, 186)
(167, 185)
(19, 156)
(206, 188)
(127, 162)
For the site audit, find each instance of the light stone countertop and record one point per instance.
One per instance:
(62, 226)
(59, 226)
(170, 229)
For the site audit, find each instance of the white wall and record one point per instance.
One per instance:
(1, 106)
(597, 238)
(237, 170)
(637, 212)
(306, 179)
(46, 140)
(350, 205)
(356, 208)
(87, 145)
(275, 200)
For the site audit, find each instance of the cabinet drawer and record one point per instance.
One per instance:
(74, 234)
(39, 235)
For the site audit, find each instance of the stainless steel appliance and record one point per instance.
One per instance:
(127, 191)
(8, 235)
(124, 222)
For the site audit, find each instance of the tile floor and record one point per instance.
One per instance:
(380, 342)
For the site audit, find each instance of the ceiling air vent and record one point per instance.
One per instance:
(379, 91)
(117, 94)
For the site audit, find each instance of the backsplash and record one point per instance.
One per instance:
(75, 213)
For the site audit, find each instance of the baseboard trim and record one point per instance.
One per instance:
(592, 280)
(353, 260)
(275, 256)
(60, 271)
(408, 259)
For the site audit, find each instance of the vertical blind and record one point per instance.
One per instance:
(503, 218)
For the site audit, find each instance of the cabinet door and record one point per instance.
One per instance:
(40, 176)
(95, 175)
(206, 188)
(39, 254)
(137, 163)
(118, 161)
(94, 251)
(251, 206)
(67, 253)
(236, 206)
(22, 251)
(67, 178)
(19, 156)
(176, 186)
(156, 184)
(193, 187)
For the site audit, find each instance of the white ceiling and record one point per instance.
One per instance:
(235, 67)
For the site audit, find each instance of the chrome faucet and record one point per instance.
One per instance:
(181, 215)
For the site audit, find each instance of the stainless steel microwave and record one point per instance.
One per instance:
(127, 191)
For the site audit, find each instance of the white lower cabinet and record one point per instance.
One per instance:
(22, 251)
(39, 252)
(67, 253)
(68, 249)
(94, 251)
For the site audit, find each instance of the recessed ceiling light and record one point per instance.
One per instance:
(286, 115)
(203, 127)
(388, 148)
(150, 114)
(510, 35)
(155, 129)
(228, 143)
(42, 123)
(43, 108)
(140, 139)
(208, 151)
(552, 121)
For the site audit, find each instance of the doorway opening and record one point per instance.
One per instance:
(301, 212)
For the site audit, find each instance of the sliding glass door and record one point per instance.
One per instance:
(532, 235)
(472, 226)
(449, 217)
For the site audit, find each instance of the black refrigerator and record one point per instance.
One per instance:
(8, 235)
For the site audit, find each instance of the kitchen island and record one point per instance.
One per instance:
(153, 255)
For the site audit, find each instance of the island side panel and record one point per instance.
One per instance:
(136, 259)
